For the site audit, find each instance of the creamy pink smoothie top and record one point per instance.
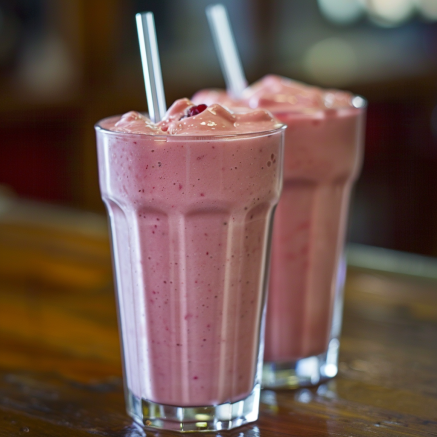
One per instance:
(279, 94)
(186, 118)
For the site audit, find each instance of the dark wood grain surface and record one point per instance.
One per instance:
(60, 369)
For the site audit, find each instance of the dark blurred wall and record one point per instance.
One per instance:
(66, 64)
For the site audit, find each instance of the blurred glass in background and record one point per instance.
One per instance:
(66, 64)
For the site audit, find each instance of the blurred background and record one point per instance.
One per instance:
(66, 64)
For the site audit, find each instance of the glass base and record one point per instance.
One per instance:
(305, 372)
(185, 419)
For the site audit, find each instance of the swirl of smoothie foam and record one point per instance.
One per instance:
(322, 159)
(278, 95)
(190, 201)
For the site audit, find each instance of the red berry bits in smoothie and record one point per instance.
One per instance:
(194, 110)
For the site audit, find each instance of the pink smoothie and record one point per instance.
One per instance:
(322, 158)
(190, 202)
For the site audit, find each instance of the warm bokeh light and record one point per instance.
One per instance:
(428, 8)
(342, 11)
(331, 62)
(390, 12)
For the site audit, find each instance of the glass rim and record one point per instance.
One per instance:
(199, 137)
(357, 103)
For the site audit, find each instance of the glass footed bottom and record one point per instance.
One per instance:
(304, 372)
(185, 419)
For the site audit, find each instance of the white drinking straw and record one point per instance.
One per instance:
(226, 50)
(151, 66)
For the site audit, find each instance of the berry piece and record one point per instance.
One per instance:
(194, 110)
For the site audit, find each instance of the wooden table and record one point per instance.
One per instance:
(60, 371)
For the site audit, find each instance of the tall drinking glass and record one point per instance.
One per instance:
(190, 222)
(322, 158)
